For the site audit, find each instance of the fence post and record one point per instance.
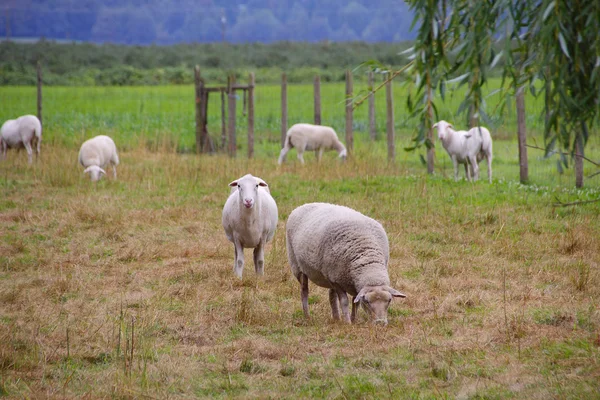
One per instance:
(284, 113)
(317, 102)
(223, 122)
(39, 91)
(199, 95)
(348, 101)
(524, 168)
(430, 137)
(251, 81)
(372, 128)
(231, 115)
(391, 136)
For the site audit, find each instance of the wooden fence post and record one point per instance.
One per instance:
(348, 102)
(391, 136)
(39, 91)
(523, 165)
(317, 101)
(430, 138)
(284, 111)
(251, 81)
(198, 91)
(372, 127)
(223, 122)
(231, 115)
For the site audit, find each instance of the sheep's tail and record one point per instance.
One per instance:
(288, 140)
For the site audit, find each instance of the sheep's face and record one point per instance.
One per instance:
(95, 172)
(442, 128)
(248, 189)
(376, 300)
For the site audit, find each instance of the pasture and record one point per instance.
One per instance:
(125, 289)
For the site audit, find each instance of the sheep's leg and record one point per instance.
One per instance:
(259, 259)
(29, 151)
(333, 300)
(283, 153)
(304, 293)
(354, 310)
(319, 154)
(343, 298)
(475, 166)
(4, 147)
(114, 168)
(467, 171)
(301, 156)
(238, 266)
(455, 163)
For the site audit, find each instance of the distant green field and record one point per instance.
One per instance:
(159, 117)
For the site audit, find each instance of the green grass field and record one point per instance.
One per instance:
(125, 289)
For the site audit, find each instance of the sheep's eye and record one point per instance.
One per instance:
(257, 186)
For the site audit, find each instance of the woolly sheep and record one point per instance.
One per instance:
(24, 131)
(311, 137)
(466, 148)
(96, 153)
(249, 219)
(345, 251)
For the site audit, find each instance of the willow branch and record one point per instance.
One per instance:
(566, 154)
(391, 77)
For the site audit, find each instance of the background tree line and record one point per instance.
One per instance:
(176, 21)
(111, 64)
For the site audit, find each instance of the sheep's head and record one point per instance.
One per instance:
(343, 154)
(247, 187)
(376, 300)
(442, 127)
(95, 172)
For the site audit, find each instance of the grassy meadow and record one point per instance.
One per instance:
(125, 289)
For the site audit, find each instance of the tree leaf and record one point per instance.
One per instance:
(548, 10)
(563, 45)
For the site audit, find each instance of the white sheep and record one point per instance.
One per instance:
(311, 137)
(466, 148)
(22, 132)
(345, 251)
(96, 153)
(249, 219)
(486, 147)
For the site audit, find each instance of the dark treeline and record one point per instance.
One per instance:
(110, 64)
(202, 21)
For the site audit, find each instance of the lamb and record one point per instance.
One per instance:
(311, 137)
(96, 153)
(249, 219)
(22, 132)
(345, 251)
(466, 148)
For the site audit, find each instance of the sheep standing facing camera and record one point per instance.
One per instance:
(96, 153)
(345, 251)
(22, 132)
(249, 219)
(311, 137)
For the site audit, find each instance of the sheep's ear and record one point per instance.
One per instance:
(88, 169)
(233, 184)
(394, 292)
(450, 126)
(360, 296)
(434, 126)
(263, 184)
(467, 135)
(101, 170)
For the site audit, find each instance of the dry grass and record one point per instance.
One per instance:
(125, 289)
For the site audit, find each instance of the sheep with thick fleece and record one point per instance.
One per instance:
(484, 136)
(249, 219)
(22, 132)
(345, 251)
(96, 153)
(464, 148)
(311, 137)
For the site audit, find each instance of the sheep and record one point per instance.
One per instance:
(249, 219)
(96, 153)
(466, 148)
(345, 251)
(24, 131)
(486, 147)
(311, 137)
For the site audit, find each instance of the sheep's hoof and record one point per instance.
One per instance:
(259, 268)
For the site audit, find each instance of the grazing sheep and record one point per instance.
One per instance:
(486, 147)
(345, 251)
(465, 147)
(96, 153)
(249, 220)
(24, 131)
(311, 137)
